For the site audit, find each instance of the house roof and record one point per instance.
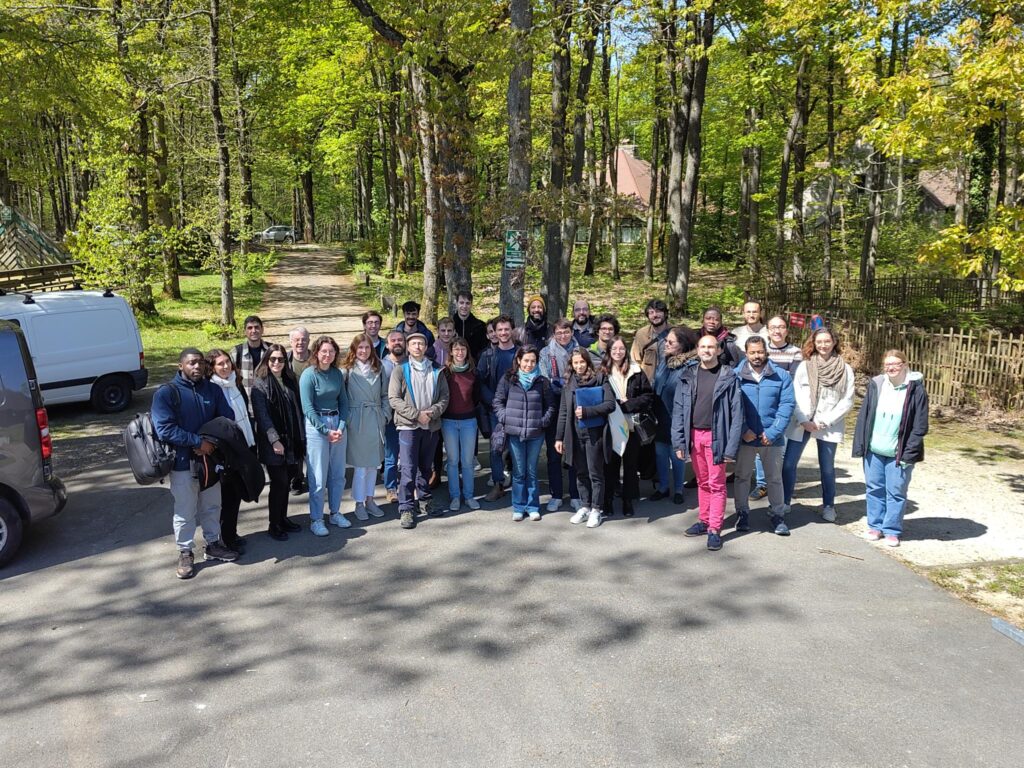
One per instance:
(634, 177)
(939, 187)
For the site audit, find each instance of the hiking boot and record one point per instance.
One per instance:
(186, 565)
(360, 512)
(697, 529)
(407, 519)
(594, 518)
(778, 526)
(472, 503)
(495, 493)
(217, 551)
(580, 516)
(828, 514)
(758, 493)
(392, 495)
(743, 520)
(373, 509)
(714, 541)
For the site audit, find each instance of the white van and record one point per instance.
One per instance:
(85, 346)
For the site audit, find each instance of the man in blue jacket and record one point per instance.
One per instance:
(179, 411)
(707, 419)
(768, 401)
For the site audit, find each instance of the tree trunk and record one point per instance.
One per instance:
(242, 125)
(308, 210)
(613, 156)
(520, 132)
(432, 200)
(782, 194)
(652, 200)
(830, 193)
(162, 201)
(802, 109)
(679, 77)
(704, 30)
(560, 63)
(227, 290)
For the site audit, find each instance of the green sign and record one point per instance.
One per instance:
(515, 248)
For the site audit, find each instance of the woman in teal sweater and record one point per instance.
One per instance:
(325, 407)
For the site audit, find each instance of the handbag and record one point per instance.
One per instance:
(498, 437)
(646, 427)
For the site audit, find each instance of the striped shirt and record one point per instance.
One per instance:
(785, 357)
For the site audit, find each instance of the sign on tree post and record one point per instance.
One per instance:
(515, 248)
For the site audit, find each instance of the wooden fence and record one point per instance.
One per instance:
(887, 293)
(960, 368)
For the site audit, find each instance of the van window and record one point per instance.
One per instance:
(53, 331)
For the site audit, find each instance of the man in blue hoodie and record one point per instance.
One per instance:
(179, 411)
(768, 401)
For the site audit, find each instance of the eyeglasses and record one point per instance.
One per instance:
(893, 366)
(275, 359)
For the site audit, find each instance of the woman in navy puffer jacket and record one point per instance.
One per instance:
(524, 406)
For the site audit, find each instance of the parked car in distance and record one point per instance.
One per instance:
(278, 234)
(29, 490)
(85, 346)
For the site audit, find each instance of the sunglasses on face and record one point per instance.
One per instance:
(276, 359)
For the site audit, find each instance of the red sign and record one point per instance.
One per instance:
(797, 319)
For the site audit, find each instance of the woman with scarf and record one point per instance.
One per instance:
(459, 424)
(823, 385)
(728, 352)
(369, 411)
(280, 437)
(524, 406)
(634, 395)
(581, 434)
(222, 373)
(677, 349)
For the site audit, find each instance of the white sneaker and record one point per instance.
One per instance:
(360, 511)
(454, 506)
(576, 504)
(554, 505)
(594, 518)
(580, 516)
(517, 516)
(373, 509)
(472, 503)
(340, 520)
(318, 528)
(828, 514)
(534, 515)
(476, 465)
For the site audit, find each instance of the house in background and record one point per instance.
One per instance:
(633, 186)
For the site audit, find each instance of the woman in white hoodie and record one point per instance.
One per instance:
(823, 385)
(223, 374)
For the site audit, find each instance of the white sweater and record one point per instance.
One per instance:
(831, 411)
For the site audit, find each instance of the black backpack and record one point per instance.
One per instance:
(150, 458)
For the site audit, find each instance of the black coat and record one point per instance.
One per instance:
(474, 331)
(233, 449)
(639, 394)
(913, 424)
(278, 412)
(566, 431)
(525, 413)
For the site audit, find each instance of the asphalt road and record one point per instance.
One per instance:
(476, 641)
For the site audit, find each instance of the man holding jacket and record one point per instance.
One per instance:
(768, 401)
(707, 419)
(179, 411)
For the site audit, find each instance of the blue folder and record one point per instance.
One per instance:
(588, 397)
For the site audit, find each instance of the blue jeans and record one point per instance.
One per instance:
(525, 487)
(664, 456)
(325, 469)
(886, 492)
(390, 457)
(554, 460)
(497, 458)
(460, 443)
(759, 481)
(826, 465)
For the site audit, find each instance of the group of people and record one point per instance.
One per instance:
(604, 410)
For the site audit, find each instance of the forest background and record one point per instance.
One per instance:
(786, 140)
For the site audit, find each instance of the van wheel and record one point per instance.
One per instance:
(112, 394)
(11, 529)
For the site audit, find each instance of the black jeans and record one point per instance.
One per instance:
(628, 462)
(277, 501)
(230, 500)
(416, 459)
(588, 461)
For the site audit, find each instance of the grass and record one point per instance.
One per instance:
(996, 588)
(709, 284)
(193, 321)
